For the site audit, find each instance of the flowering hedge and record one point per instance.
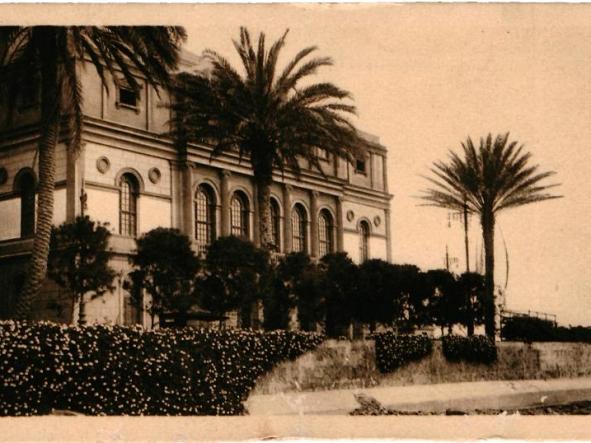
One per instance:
(394, 351)
(474, 349)
(112, 370)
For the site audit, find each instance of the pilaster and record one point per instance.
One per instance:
(314, 224)
(287, 189)
(225, 201)
(340, 230)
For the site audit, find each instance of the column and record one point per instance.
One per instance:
(287, 218)
(187, 199)
(74, 182)
(340, 232)
(314, 224)
(388, 237)
(225, 201)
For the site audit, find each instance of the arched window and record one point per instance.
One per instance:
(299, 225)
(204, 217)
(364, 240)
(275, 226)
(239, 214)
(325, 233)
(26, 189)
(128, 191)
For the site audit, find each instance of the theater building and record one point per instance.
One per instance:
(129, 175)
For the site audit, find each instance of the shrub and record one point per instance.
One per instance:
(115, 370)
(530, 329)
(394, 351)
(474, 349)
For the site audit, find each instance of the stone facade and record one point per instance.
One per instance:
(122, 140)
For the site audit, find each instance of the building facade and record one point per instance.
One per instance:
(129, 174)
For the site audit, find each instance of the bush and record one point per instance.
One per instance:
(474, 349)
(530, 329)
(394, 351)
(114, 370)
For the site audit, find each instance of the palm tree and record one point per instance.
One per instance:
(495, 176)
(50, 56)
(265, 114)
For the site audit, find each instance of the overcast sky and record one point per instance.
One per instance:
(425, 77)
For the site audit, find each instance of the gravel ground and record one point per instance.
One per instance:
(370, 406)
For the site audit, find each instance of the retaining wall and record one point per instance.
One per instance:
(345, 364)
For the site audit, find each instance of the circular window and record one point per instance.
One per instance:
(3, 175)
(350, 215)
(377, 220)
(103, 164)
(154, 175)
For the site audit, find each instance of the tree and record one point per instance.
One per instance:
(49, 56)
(79, 260)
(470, 290)
(495, 176)
(339, 286)
(298, 284)
(234, 278)
(166, 268)
(378, 299)
(266, 115)
(441, 291)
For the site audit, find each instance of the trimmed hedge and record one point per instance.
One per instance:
(530, 329)
(474, 349)
(394, 351)
(115, 370)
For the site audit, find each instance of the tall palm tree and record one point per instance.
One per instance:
(50, 55)
(495, 176)
(265, 114)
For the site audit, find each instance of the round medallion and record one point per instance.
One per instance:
(350, 215)
(154, 175)
(103, 164)
(377, 221)
(3, 175)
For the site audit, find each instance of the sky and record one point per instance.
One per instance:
(425, 77)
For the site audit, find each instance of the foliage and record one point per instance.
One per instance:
(50, 57)
(277, 304)
(165, 267)
(339, 287)
(274, 118)
(495, 176)
(380, 297)
(79, 259)
(470, 296)
(528, 329)
(394, 351)
(301, 282)
(114, 370)
(531, 329)
(235, 277)
(474, 349)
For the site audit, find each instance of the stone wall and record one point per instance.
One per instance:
(343, 364)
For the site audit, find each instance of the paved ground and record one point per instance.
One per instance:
(467, 396)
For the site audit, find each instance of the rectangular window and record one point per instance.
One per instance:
(361, 166)
(322, 154)
(128, 97)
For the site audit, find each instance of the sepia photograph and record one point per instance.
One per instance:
(295, 221)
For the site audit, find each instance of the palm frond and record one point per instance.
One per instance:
(494, 176)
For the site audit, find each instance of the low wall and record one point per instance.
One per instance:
(344, 364)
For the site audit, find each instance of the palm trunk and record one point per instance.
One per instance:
(50, 128)
(264, 212)
(82, 311)
(488, 233)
